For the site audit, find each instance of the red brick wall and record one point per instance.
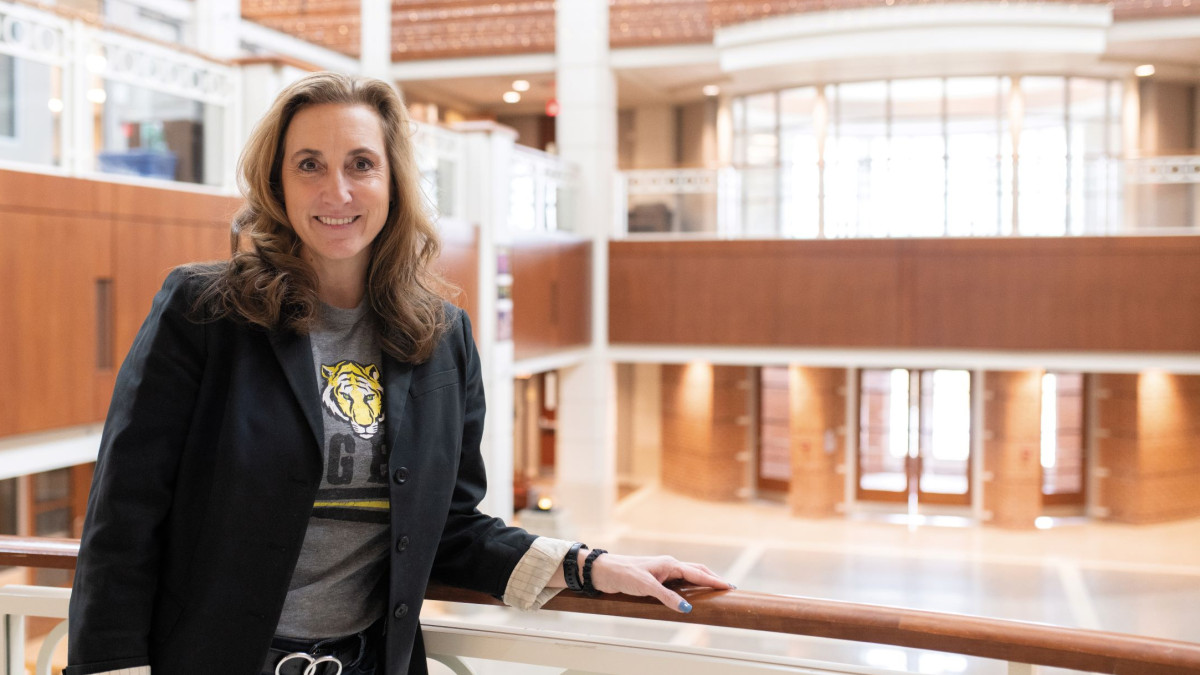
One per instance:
(1012, 415)
(1148, 446)
(817, 401)
(704, 434)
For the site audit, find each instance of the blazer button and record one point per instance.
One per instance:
(401, 611)
(401, 475)
(402, 544)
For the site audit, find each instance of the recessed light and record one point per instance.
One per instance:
(511, 97)
(711, 90)
(1145, 70)
(520, 85)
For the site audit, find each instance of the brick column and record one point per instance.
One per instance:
(704, 441)
(1148, 446)
(817, 420)
(1012, 417)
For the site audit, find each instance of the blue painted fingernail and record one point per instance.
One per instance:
(685, 606)
(732, 587)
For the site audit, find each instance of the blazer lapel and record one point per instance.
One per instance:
(295, 355)
(397, 376)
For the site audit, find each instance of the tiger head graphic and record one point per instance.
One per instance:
(352, 392)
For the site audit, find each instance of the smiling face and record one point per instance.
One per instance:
(336, 187)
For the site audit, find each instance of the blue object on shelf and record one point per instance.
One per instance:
(139, 162)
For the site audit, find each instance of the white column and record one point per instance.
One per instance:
(376, 39)
(587, 138)
(218, 27)
(488, 161)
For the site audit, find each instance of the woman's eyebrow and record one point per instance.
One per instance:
(306, 151)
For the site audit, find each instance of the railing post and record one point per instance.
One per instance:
(14, 644)
(620, 226)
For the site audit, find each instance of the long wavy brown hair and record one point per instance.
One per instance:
(268, 283)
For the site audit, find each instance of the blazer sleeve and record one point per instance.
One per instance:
(116, 579)
(476, 551)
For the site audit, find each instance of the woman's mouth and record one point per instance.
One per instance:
(326, 220)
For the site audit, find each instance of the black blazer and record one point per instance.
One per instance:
(209, 465)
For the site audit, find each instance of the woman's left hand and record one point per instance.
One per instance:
(644, 576)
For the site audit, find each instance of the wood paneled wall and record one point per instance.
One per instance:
(1012, 460)
(704, 430)
(59, 237)
(1137, 294)
(552, 306)
(1148, 446)
(817, 404)
(459, 264)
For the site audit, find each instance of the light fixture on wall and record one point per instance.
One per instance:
(711, 90)
(1144, 70)
(520, 85)
(97, 95)
(511, 97)
(55, 105)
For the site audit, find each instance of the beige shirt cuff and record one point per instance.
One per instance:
(527, 585)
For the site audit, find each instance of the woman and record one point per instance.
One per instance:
(292, 450)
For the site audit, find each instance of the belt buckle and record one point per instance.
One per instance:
(312, 665)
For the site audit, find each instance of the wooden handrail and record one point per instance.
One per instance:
(1016, 641)
(45, 552)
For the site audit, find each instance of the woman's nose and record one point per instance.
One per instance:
(337, 188)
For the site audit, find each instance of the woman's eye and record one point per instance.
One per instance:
(363, 164)
(308, 165)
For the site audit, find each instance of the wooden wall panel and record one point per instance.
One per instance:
(753, 293)
(1012, 492)
(58, 237)
(1116, 293)
(551, 294)
(459, 264)
(49, 265)
(1138, 294)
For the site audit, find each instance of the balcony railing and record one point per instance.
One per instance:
(1132, 196)
(1023, 646)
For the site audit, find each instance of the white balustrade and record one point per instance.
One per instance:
(466, 648)
(62, 104)
(541, 185)
(1163, 170)
(441, 156)
(768, 202)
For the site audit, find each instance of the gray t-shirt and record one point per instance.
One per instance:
(339, 585)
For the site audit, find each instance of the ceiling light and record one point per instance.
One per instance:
(55, 105)
(1145, 70)
(511, 97)
(711, 90)
(520, 85)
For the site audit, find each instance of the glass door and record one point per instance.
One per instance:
(914, 436)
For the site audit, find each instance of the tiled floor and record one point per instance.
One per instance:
(1143, 580)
